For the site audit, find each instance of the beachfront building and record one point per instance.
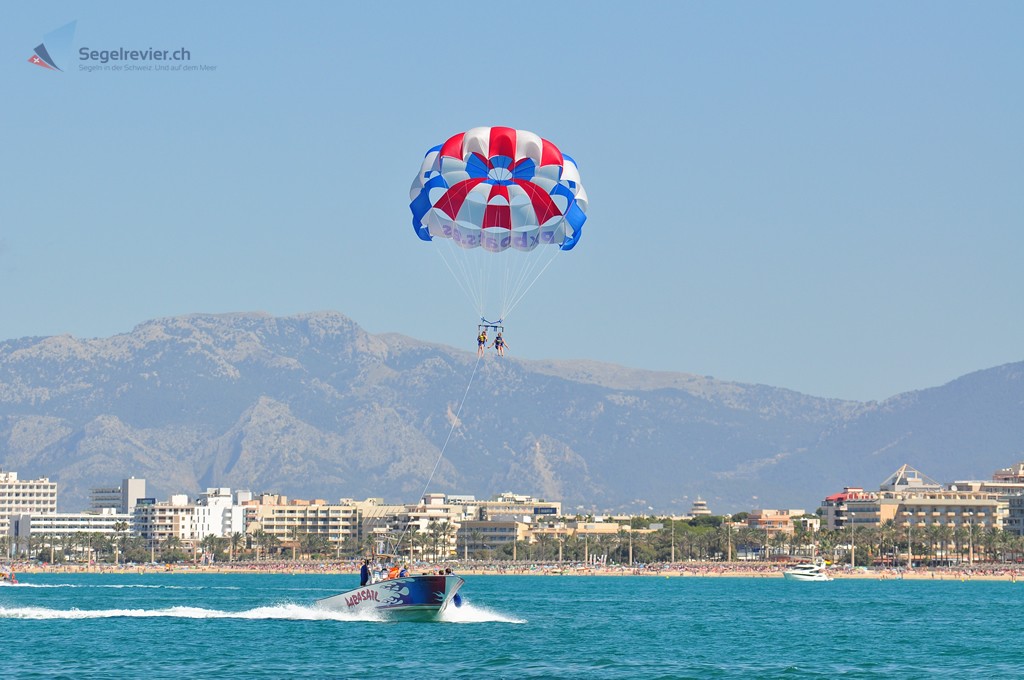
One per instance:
(24, 497)
(216, 512)
(834, 510)
(871, 512)
(1015, 514)
(774, 522)
(1006, 485)
(596, 537)
(381, 525)
(442, 525)
(434, 525)
(921, 511)
(518, 507)
(289, 522)
(952, 517)
(121, 499)
(484, 538)
(1013, 474)
(220, 513)
(76, 532)
(908, 482)
(172, 520)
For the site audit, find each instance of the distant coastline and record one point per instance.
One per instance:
(680, 570)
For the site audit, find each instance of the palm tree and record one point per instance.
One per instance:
(259, 539)
(887, 535)
(448, 532)
(433, 531)
(759, 537)
(170, 549)
(314, 545)
(476, 537)
(801, 535)
(120, 527)
(960, 538)
(271, 542)
(931, 532)
(543, 542)
(212, 544)
(233, 542)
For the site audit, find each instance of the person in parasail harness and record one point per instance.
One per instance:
(499, 344)
(481, 342)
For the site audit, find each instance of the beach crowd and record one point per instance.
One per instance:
(962, 572)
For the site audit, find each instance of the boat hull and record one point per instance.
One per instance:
(413, 598)
(806, 577)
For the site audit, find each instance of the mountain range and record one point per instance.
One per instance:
(312, 406)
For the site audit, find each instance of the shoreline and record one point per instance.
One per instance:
(690, 570)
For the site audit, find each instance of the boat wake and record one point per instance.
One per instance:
(469, 613)
(293, 612)
(121, 585)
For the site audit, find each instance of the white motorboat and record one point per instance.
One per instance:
(808, 571)
(409, 598)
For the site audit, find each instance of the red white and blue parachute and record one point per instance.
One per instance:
(496, 189)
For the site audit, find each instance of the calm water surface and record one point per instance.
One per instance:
(264, 626)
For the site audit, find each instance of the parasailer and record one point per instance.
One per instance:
(499, 203)
(499, 345)
(481, 342)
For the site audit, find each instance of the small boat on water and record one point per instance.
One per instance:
(808, 571)
(409, 598)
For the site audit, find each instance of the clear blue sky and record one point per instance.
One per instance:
(826, 197)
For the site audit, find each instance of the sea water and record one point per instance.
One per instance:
(266, 626)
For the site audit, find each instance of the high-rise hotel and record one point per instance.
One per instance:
(25, 497)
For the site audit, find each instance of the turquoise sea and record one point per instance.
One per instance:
(264, 626)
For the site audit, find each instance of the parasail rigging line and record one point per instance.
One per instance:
(440, 455)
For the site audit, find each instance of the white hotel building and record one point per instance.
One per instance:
(216, 512)
(24, 497)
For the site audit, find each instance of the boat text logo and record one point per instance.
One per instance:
(362, 595)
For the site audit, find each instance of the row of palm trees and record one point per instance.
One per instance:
(707, 538)
(712, 538)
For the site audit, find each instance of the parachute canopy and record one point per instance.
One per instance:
(491, 190)
(497, 188)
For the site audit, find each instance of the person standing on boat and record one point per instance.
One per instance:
(364, 573)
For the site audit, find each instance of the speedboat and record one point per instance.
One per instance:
(408, 598)
(808, 571)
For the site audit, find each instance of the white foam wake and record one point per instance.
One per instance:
(469, 613)
(119, 585)
(281, 611)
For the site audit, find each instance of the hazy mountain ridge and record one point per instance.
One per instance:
(312, 405)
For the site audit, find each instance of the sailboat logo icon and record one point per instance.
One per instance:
(55, 48)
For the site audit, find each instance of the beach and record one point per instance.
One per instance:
(963, 572)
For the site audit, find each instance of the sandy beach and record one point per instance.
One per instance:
(687, 570)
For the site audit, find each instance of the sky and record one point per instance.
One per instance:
(826, 197)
